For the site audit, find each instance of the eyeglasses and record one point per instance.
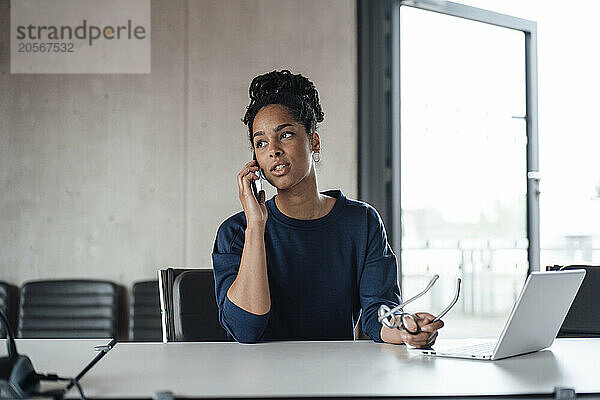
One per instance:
(409, 322)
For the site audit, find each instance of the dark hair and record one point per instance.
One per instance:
(295, 92)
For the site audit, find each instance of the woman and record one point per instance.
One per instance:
(304, 264)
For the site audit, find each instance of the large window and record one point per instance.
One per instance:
(450, 161)
(463, 161)
(450, 112)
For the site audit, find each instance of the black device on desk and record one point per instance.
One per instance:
(18, 378)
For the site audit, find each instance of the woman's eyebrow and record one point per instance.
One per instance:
(277, 129)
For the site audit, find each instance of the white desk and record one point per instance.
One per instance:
(64, 357)
(342, 369)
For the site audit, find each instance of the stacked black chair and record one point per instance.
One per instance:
(69, 309)
(190, 306)
(583, 318)
(9, 304)
(144, 312)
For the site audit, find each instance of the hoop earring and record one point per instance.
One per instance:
(316, 156)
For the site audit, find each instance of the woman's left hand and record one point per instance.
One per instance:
(429, 331)
(424, 339)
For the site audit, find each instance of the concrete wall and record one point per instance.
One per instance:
(113, 176)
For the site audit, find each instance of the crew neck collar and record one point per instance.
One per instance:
(308, 223)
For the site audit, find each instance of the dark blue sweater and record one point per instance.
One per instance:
(322, 272)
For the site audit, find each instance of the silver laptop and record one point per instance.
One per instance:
(533, 322)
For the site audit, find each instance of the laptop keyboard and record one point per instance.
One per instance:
(480, 349)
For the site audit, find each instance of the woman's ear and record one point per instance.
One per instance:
(316, 142)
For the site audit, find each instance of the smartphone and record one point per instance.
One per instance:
(257, 185)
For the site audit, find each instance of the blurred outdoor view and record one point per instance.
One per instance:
(463, 172)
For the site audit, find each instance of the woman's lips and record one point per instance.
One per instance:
(282, 171)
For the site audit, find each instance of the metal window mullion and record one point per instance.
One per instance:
(533, 204)
(396, 151)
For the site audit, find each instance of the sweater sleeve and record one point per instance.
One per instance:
(378, 282)
(244, 326)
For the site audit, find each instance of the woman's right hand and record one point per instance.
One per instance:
(256, 212)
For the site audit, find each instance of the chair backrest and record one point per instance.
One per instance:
(195, 307)
(189, 306)
(69, 309)
(9, 304)
(144, 312)
(583, 318)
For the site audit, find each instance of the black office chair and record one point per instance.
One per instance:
(191, 307)
(69, 309)
(144, 313)
(583, 318)
(9, 299)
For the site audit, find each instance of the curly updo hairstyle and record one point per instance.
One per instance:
(295, 92)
